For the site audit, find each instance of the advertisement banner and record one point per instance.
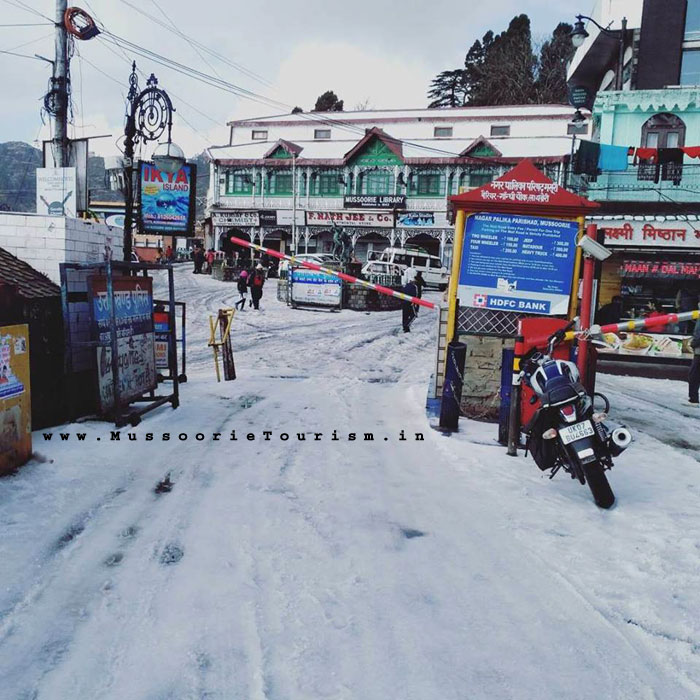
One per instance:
(236, 218)
(15, 398)
(415, 219)
(660, 269)
(161, 325)
(56, 191)
(517, 263)
(133, 306)
(645, 234)
(647, 344)
(137, 369)
(311, 287)
(375, 201)
(268, 217)
(166, 200)
(349, 218)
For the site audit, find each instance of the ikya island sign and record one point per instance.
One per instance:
(517, 263)
(133, 312)
(167, 199)
(650, 234)
(349, 218)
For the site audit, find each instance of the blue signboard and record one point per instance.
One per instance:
(518, 263)
(167, 200)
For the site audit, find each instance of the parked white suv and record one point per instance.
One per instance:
(434, 272)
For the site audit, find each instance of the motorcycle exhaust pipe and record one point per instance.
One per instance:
(620, 440)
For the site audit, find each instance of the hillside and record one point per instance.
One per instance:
(18, 164)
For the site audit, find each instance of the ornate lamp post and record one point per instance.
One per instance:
(579, 35)
(149, 113)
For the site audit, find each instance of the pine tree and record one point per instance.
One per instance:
(448, 89)
(555, 54)
(508, 70)
(328, 102)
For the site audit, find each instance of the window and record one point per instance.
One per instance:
(377, 182)
(429, 184)
(690, 68)
(500, 130)
(322, 134)
(258, 135)
(692, 20)
(326, 184)
(663, 130)
(280, 183)
(435, 263)
(477, 178)
(442, 132)
(238, 182)
(581, 128)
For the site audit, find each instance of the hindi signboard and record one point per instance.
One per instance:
(15, 398)
(318, 288)
(349, 218)
(166, 200)
(517, 263)
(374, 201)
(133, 308)
(649, 234)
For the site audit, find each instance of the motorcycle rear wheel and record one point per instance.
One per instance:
(598, 484)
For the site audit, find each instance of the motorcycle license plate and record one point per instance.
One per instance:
(571, 433)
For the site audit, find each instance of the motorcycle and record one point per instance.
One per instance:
(566, 431)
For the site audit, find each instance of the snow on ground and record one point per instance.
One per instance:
(435, 569)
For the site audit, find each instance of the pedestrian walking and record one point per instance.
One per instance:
(420, 283)
(210, 260)
(198, 260)
(694, 374)
(169, 254)
(256, 282)
(408, 313)
(242, 290)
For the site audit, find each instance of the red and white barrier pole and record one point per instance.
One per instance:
(347, 278)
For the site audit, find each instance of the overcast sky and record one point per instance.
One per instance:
(376, 51)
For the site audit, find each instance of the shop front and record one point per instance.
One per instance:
(654, 269)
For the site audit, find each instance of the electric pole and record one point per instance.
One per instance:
(60, 85)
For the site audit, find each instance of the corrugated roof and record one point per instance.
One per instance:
(31, 283)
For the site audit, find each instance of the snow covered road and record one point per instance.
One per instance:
(319, 568)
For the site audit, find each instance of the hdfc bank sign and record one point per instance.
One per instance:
(349, 218)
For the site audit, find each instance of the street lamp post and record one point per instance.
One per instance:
(149, 113)
(579, 35)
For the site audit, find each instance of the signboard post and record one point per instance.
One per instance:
(315, 288)
(128, 311)
(15, 398)
(56, 191)
(166, 200)
(518, 263)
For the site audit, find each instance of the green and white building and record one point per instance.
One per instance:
(384, 176)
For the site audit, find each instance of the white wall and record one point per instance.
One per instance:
(46, 241)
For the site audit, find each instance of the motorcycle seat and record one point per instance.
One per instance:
(559, 390)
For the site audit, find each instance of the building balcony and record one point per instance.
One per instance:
(315, 203)
(626, 187)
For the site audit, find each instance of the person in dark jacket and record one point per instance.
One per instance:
(420, 283)
(610, 313)
(686, 300)
(198, 260)
(694, 374)
(242, 290)
(256, 281)
(408, 313)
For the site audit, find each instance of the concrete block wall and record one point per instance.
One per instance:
(46, 241)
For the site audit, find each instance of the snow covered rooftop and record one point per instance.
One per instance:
(532, 147)
(446, 113)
